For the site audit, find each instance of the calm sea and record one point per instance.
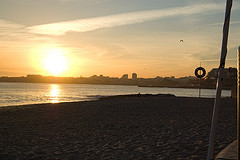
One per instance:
(33, 93)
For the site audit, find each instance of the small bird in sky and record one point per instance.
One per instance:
(181, 40)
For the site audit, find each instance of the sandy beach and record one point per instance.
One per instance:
(123, 127)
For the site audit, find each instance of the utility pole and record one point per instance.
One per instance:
(220, 78)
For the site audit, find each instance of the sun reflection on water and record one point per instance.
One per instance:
(54, 93)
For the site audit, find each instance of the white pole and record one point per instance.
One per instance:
(220, 78)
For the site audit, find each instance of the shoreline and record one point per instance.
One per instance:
(125, 127)
(109, 97)
(112, 97)
(22, 96)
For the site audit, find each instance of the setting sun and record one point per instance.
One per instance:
(55, 62)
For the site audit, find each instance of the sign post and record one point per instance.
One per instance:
(200, 76)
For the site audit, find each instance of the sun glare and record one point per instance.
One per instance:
(54, 93)
(55, 62)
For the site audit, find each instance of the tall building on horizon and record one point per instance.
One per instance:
(134, 76)
(125, 76)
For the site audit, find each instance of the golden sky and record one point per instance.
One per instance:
(112, 37)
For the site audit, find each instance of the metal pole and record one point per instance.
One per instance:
(200, 87)
(220, 78)
(238, 107)
(200, 82)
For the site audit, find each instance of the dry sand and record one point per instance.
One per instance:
(151, 127)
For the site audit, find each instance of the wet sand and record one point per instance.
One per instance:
(123, 127)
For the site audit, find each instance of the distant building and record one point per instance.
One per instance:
(134, 76)
(231, 72)
(34, 76)
(125, 76)
(228, 73)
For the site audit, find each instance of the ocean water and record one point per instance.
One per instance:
(12, 94)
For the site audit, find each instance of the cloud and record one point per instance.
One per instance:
(9, 29)
(14, 35)
(90, 24)
(217, 60)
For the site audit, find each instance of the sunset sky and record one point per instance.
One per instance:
(114, 37)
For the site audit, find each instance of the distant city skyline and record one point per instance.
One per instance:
(72, 38)
(209, 81)
(229, 72)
